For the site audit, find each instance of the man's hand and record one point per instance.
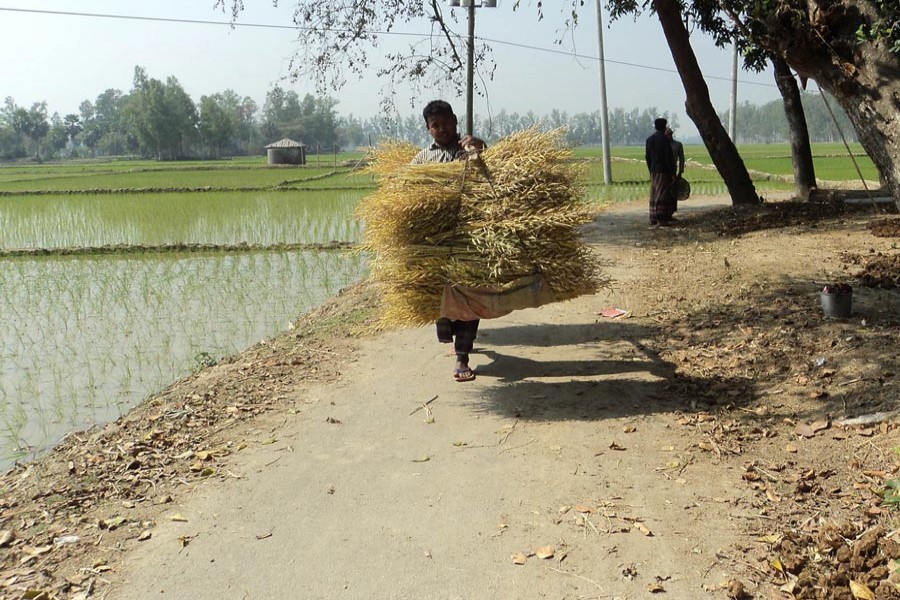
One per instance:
(469, 142)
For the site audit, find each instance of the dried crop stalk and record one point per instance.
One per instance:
(477, 225)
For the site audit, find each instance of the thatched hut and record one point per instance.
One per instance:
(286, 152)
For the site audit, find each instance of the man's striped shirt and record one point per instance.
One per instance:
(439, 154)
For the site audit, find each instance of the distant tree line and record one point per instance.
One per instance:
(766, 124)
(159, 120)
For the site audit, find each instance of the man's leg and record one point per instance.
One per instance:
(464, 333)
(444, 330)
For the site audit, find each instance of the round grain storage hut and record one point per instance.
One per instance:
(286, 152)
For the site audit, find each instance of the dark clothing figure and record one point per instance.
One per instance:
(449, 146)
(678, 151)
(459, 333)
(661, 163)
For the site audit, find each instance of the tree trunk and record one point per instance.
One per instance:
(801, 152)
(700, 109)
(820, 43)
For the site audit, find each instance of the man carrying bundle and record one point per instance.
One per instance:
(449, 146)
(661, 163)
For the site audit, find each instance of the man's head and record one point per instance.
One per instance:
(660, 124)
(669, 133)
(440, 122)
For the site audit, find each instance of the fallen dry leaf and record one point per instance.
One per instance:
(545, 552)
(6, 537)
(792, 448)
(777, 565)
(519, 558)
(615, 446)
(629, 429)
(178, 518)
(818, 426)
(642, 528)
(422, 459)
(36, 550)
(583, 508)
(804, 431)
(861, 591)
(145, 535)
(111, 523)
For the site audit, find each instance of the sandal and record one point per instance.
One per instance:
(464, 374)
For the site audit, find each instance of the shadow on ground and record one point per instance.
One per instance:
(739, 220)
(611, 371)
(775, 343)
(770, 346)
(549, 335)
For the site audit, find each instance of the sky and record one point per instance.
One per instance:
(64, 59)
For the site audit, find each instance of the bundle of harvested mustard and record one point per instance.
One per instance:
(486, 223)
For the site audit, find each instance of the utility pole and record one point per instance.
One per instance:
(604, 113)
(470, 73)
(470, 6)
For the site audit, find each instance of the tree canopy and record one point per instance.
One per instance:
(851, 48)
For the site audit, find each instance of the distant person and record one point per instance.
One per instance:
(447, 147)
(678, 151)
(661, 163)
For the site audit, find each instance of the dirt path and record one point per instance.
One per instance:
(690, 449)
(565, 440)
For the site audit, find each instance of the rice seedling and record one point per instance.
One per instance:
(265, 218)
(87, 338)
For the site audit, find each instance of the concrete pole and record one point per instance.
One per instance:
(604, 116)
(470, 74)
(732, 114)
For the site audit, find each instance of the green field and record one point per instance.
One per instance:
(222, 218)
(832, 162)
(84, 338)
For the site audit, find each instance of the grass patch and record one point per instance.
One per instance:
(831, 161)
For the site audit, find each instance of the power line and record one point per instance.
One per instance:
(389, 33)
(614, 62)
(139, 18)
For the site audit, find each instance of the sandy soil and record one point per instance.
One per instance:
(691, 448)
